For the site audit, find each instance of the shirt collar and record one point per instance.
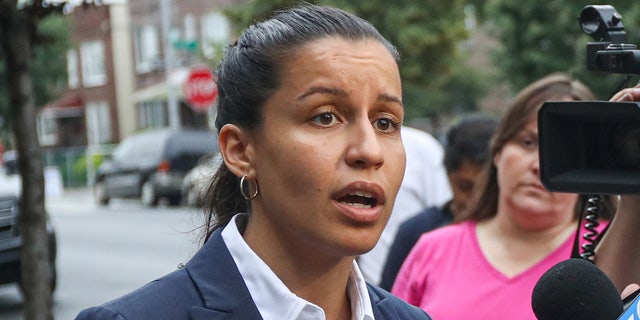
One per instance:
(272, 298)
(360, 301)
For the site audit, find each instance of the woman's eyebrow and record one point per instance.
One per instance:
(323, 90)
(385, 97)
(343, 93)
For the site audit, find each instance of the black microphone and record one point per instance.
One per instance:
(575, 289)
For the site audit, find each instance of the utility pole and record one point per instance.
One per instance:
(172, 98)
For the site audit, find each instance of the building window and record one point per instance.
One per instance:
(152, 114)
(72, 69)
(190, 27)
(147, 48)
(98, 123)
(215, 32)
(93, 70)
(47, 130)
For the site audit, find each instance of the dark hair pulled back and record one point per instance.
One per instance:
(249, 74)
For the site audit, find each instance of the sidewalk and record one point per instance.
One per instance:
(71, 201)
(77, 193)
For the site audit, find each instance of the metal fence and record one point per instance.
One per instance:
(75, 170)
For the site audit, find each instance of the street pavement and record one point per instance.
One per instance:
(105, 252)
(75, 201)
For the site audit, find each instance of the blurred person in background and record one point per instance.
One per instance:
(489, 260)
(466, 147)
(424, 185)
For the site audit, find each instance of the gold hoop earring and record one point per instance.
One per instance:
(244, 192)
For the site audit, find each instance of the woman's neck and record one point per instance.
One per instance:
(317, 278)
(512, 249)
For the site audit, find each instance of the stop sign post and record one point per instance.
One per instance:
(200, 90)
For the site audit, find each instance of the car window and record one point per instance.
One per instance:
(123, 150)
(192, 142)
(150, 145)
(10, 181)
(186, 148)
(142, 147)
(10, 162)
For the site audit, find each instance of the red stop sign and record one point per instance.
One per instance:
(200, 90)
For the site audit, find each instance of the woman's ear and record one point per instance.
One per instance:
(235, 149)
(496, 158)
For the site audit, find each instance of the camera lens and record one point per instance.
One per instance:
(621, 146)
(590, 20)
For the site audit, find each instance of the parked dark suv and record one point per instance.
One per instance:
(150, 165)
(10, 238)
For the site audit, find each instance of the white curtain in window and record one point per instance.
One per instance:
(72, 69)
(147, 47)
(93, 63)
(98, 123)
(215, 30)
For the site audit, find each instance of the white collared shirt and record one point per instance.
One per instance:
(272, 298)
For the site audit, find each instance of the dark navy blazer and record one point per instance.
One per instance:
(210, 287)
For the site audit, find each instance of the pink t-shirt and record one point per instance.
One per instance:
(447, 275)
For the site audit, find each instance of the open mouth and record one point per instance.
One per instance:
(359, 200)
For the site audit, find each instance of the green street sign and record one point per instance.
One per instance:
(187, 45)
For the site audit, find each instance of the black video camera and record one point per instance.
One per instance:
(593, 146)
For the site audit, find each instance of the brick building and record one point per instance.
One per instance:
(126, 69)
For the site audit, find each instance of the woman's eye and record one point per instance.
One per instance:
(386, 125)
(325, 119)
(529, 142)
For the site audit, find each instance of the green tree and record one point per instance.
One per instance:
(48, 68)
(25, 33)
(541, 37)
(428, 34)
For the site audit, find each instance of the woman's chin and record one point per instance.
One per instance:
(360, 244)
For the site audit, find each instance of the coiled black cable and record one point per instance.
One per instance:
(591, 224)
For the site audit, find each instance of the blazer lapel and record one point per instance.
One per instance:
(380, 306)
(199, 313)
(222, 287)
(225, 294)
(242, 313)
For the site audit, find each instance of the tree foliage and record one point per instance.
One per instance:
(534, 39)
(427, 34)
(48, 68)
(542, 37)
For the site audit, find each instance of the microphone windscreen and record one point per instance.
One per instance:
(575, 289)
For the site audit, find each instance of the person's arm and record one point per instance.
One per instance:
(618, 253)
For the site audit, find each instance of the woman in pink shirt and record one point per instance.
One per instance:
(485, 266)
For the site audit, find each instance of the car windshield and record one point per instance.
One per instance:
(145, 146)
(10, 182)
(192, 142)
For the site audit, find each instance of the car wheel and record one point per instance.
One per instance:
(54, 277)
(175, 200)
(53, 253)
(148, 197)
(100, 193)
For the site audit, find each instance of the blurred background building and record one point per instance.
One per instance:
(126, 68)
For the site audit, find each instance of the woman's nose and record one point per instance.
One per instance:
(535, 166)
(365, 149)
